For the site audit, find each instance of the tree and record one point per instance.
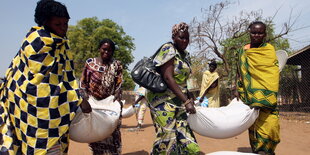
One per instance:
(84, 41)
(214, 37)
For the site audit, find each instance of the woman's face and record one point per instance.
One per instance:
(181, 40)
(106, 51)
(58, 25)
(257, 33)
(212, 68)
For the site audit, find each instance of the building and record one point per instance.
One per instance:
(302, 59)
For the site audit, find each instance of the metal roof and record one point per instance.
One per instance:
(297, 57)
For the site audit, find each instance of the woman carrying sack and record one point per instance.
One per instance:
(39, 96)
(168, 109)
(258, 85)
(210, 90)
(102, 77)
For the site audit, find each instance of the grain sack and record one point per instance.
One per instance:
(97, 125)
(223, 122)
(229, 153)
(128, 112)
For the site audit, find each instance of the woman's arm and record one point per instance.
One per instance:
(213, 85)
(118, 82)
(138, 100)
(236, 93)
(85, 106)
(167, 71)
(84, 81)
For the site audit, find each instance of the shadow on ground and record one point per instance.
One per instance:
(142, 152)
(244, 149)
(130, 126)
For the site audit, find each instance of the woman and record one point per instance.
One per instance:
(173, 134)
(141, 103)
(102, 77)
(209, 86)
(258, 87)
(39, 95)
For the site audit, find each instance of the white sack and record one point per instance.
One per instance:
(223, 122)
(229, 153)
(97, 125)
(128, 112)
(282, 58)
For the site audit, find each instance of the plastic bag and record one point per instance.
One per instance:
(229, 153)
(223, 122)
(97, 125)
(282, 58)
(204, 103)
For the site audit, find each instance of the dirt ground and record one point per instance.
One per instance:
(295, 139)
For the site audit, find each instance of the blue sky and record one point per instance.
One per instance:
(148, 22)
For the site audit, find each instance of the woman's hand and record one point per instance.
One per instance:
(85, 106)
(118, 95)
(189, 107)
(201, 99)
(237, 95)
(83, 93)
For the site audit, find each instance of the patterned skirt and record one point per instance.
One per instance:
(173, 134)
(109, 146)
(265, 132)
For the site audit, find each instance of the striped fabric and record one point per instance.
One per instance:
(55, 150)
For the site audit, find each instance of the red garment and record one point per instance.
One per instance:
(101, 81)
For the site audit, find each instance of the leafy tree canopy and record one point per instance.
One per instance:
(84, 41)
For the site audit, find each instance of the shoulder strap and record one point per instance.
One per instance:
(153, 56)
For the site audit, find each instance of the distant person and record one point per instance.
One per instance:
(173, 134)
(102, 77)
(209, 86)
(141, 103)
(258, 85)
(39, 95)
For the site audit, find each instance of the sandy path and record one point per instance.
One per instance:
(295, 140)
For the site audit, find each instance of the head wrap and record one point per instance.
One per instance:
(213, 63)
(179, 27)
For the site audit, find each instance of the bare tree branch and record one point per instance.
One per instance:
(211, 33)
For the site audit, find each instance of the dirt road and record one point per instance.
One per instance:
(295, 139)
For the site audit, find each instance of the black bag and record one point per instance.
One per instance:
(144, 73)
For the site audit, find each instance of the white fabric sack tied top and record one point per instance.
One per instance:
(97, 125)
(128, 112)
(229, 153)
(223, 122)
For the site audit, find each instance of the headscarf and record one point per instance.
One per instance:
(213, 63)
(179, 27)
